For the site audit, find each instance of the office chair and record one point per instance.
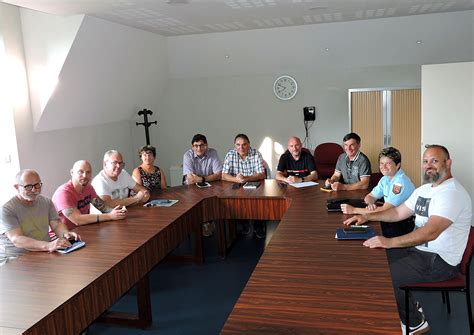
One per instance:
(461, 283)
(325, 158)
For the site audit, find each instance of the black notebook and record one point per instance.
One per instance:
(334, 205)
(251, 184)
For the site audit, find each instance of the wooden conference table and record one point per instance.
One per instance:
(306, 282)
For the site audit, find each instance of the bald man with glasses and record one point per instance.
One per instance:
(26, 219)
(113, 184)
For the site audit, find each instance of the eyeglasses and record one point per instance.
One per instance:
(199, 145)
(115, 163)
(30, 187)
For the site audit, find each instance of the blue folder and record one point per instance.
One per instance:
(342, 235)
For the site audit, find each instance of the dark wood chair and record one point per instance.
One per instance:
(461, 283)
(325, 158)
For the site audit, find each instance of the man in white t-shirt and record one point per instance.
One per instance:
(113, 184)
(433, 251)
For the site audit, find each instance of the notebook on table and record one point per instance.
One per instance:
(251, 185)
(334, 205)
(355, 233)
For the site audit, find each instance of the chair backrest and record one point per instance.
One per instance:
(325, 157)
(267, 169)
(466, 257)
(374, 179)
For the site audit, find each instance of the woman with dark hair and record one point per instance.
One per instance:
(395, 186)
(148, 174)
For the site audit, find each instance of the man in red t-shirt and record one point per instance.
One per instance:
(73, 199)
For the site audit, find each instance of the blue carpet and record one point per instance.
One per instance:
(194, 299)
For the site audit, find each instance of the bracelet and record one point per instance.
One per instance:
(203, 179)
(97, 221)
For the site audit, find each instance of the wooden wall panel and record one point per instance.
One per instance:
(367, 122)
(406, 130)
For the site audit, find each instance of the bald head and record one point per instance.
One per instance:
(294, 147)
(26, 174)
(81, 173)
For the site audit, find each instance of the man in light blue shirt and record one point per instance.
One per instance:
(395, 187)
(201, 163)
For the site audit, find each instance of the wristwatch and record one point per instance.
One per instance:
(302, 179)
(203, 179)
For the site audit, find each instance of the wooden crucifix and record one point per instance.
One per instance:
(145, 112)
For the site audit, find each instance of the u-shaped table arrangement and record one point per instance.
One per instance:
(306, 281)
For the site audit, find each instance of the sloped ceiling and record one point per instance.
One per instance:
(110, 72)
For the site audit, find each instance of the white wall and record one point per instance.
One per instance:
(447, 115)
(47, 41)
(221, 107)
(221, 96)
(111, 72)
(53, 152)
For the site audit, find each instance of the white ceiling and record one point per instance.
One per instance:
(185, 17)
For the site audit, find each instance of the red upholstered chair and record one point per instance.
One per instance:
(325, 158)
(460, 283)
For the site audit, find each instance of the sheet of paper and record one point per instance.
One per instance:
(304, 184)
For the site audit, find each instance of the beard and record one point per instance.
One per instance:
(434, 177)
(30, 197)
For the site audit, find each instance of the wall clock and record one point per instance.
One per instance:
(285, 87)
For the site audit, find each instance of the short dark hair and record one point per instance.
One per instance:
(245, 137)
(351, 136)
(439, 146)
(392, 153)
(198, 138)
(147, 148)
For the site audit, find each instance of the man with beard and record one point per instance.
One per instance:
(433, 251)
(26, 219)
(72, 200)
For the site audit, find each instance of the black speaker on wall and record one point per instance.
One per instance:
(309, 113)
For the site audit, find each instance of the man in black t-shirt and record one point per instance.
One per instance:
(296, 165)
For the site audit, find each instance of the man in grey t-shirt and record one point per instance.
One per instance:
(201, 163)
(352, 168)
(26, 218)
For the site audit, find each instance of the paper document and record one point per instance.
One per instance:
(304, 184)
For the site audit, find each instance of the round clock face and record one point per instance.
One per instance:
(285, 87)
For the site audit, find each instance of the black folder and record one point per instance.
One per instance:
(334, 205)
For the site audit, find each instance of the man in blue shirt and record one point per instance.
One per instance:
(201, 163)
(395, 187)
